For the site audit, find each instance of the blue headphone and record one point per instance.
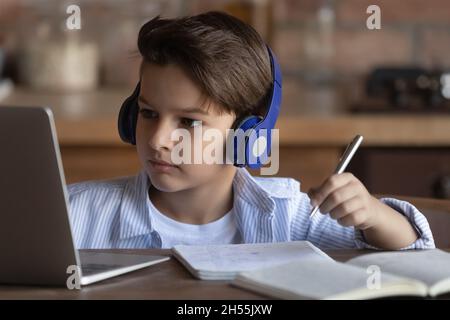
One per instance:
(253, 151)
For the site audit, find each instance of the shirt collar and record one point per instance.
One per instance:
(135, 216)
(134, 213)
(247, 188)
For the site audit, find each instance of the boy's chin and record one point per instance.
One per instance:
(164, 183)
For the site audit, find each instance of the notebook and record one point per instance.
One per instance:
(223, 262)
(376, 275)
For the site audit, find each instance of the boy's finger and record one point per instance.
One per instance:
(330, 185)
(353, 219)
(337, 197)
(346, 208)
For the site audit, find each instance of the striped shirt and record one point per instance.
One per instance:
(115, 214)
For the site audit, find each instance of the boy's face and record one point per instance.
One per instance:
(170, 100)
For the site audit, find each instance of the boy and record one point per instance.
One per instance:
(211, 70)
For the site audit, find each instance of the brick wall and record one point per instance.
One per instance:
(413, 32)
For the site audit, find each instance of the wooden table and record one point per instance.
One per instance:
(167, 280)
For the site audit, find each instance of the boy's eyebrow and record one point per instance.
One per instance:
(188, 110)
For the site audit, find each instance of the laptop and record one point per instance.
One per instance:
(36, 240)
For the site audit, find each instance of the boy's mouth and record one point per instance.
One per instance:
(159, 165)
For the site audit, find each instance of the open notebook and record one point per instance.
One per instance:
(406, 273)
(223, 262)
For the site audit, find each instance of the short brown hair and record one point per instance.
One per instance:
(226, 57)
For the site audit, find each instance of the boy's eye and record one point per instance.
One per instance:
(190, 122)
(148, 114)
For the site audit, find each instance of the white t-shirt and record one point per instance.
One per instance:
(172, 232)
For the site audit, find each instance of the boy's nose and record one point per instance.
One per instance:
(160, 138)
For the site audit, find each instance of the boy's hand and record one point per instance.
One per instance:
(346, 199)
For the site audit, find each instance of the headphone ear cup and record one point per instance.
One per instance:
(128, 117)
(241, 145)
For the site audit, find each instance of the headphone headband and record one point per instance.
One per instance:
(273, 111)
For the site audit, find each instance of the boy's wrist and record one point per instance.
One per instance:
(391, 229)
(380, 215)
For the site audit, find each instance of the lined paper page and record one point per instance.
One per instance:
(243, 257)
(428, 266)
(320, 279)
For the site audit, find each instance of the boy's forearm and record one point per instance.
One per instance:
(392, 232)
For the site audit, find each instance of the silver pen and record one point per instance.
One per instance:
(344, 161)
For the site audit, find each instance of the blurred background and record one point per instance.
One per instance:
(391, 85)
